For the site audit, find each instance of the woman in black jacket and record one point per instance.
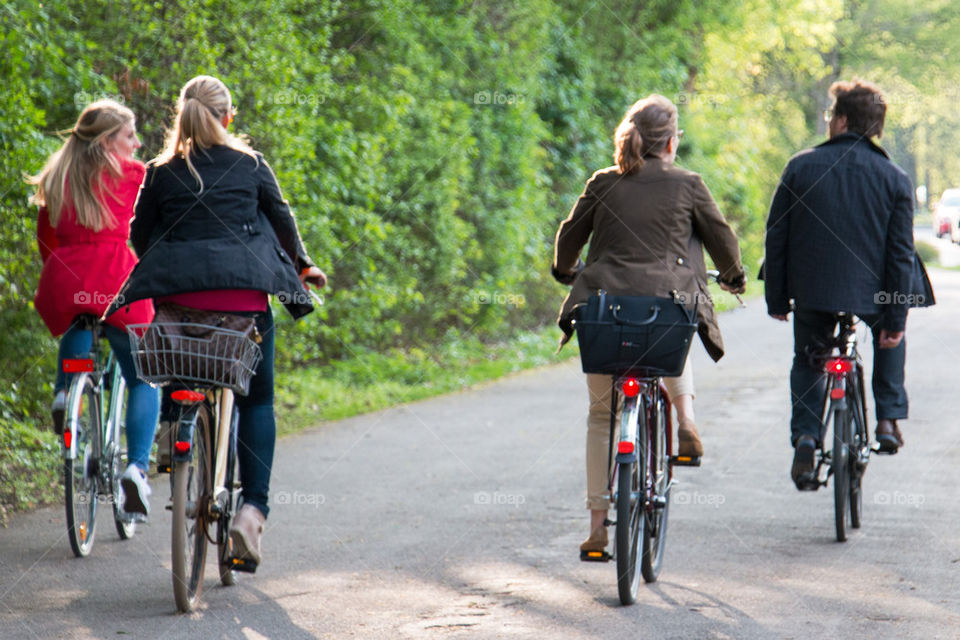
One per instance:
(212, 231)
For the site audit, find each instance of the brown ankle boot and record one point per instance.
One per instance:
(597, 541)
(245, 533)
(688, 440)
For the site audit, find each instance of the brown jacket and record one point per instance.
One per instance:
(649, 229)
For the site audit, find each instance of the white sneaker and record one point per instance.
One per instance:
(136, 492)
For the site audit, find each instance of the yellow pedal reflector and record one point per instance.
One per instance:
(684, 458)
(595, 554)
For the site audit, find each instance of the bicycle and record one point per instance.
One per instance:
(640, 475)
(206, 373)
(91, 441)
(845, 410)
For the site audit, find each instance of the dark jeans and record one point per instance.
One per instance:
(808, 384)
(257, 430)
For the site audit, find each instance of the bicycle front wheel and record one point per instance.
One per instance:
(840, 460)
(629, 522)
(82, 423)
(657, 477)
(114, 453)
(192, 492)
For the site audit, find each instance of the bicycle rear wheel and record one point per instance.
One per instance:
(192, 491)
(657, 477)
(82, 423)
(841, 460)
(629, 522)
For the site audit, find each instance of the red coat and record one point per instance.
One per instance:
(83, 269)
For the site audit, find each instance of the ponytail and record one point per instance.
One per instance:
(644, 131)
(203, 103)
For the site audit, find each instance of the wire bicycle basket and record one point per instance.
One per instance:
(196, 354)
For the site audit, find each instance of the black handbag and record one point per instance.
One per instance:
(636, 335)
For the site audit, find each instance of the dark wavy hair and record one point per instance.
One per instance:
(863, 105)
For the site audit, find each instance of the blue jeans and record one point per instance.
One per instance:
(809, 384)
(143, 401)
(257, 429)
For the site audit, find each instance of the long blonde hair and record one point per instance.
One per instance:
(203, 103)
(79, 166)
(645, 130)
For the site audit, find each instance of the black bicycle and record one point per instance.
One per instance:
(636, 340)
(845, 454)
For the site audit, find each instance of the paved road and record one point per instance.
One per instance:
(459, 517)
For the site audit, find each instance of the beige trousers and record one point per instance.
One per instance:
(598, 430)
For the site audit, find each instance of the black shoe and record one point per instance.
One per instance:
(888, 435)
(803, 472)
(57, 410)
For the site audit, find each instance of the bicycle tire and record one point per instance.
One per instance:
(80, 472)
(655, 519)
(629, 521)
(115, 432)
(840, 461)
(228, 577)
(860, 440)
(192, 489)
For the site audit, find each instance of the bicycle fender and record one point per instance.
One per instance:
(626, 457)
(185, 428)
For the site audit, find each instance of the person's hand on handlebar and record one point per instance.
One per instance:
(314, 276)
(736, 287)
(567, 278)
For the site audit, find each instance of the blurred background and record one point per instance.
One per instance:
(429, 149)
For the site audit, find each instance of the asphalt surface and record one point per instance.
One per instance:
(460, 516)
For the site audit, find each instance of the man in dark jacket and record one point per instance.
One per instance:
(840, 238)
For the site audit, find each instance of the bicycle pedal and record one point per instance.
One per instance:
(164, 468)
(595, 556)
(245, 565)
(685, 461)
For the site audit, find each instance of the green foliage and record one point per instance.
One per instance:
(429, 149)
(30, 467)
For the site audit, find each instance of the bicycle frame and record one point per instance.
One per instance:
(110, 415)
(649, 391)
(222, 402)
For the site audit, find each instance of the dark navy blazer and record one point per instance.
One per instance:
(840, 233)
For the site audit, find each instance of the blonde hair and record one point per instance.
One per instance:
(203, 103)
(646, 128)
(81, 162)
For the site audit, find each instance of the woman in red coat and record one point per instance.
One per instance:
(86, 194)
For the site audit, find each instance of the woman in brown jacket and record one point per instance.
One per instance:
(648, 222)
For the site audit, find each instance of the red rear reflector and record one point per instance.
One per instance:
(839, 365)
(631, 387)
(77, 365)
(67, 438)
(181, 447)
(837, 394)
(187, 396)
(625, 447)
